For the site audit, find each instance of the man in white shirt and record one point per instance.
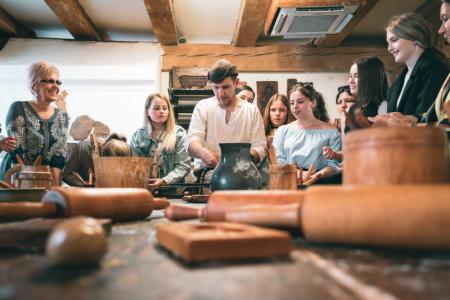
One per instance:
(224, 118)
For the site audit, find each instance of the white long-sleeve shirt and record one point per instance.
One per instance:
(208, 126)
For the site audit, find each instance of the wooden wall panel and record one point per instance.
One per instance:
(265, 90)
(273, 58)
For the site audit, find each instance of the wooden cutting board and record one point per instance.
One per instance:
(221, 240)
(32, 234)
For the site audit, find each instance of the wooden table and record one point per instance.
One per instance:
(135, 268)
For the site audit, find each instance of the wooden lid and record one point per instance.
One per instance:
(395, 137)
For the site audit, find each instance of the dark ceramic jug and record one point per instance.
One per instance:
(236, 170)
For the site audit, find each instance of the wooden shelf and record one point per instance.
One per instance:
(184, 101)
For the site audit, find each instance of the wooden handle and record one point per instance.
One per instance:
(10, 172)
(196, 198)
(118, 204)
(26, 210)
(397, 216)
(5, 185)
(272, 155)
(160, 203)
(183, 212)
(19, 160)
(221, 201)
(38, 161)
(266, 215)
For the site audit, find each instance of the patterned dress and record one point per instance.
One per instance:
(36, 136)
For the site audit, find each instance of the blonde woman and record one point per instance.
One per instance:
(39, 128)
(277, 113)
(163, 141)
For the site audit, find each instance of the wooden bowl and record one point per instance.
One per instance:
(385, 156)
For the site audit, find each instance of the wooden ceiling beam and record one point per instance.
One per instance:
(75, 19)
(11, 27)
(273, 58)
(162, 16)
(334, 40)
(250, 22)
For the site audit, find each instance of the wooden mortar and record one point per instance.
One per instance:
(283, 177)
(386, 156)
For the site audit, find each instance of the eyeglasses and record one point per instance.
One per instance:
(51, 81)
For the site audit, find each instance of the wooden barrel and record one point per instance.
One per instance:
(283, 177)
(33, 177)
(385, 156)
(122, 171)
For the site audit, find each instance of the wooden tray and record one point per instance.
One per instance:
(221, 240)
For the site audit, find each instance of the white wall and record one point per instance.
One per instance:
(326, 83)
(107, 81)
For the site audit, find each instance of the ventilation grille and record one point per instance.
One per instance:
(310, 22)
(306, 24)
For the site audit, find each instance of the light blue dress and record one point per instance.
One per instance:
(304, 146)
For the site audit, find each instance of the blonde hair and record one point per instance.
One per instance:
(268, 126)
(168, 137)
(412, 27)
(39, 71)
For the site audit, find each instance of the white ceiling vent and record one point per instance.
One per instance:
(310, 22)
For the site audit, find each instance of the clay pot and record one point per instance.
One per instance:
(385, 156)
(283, 177)
(236, 170)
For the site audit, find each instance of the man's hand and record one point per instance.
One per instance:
(211, 159)
(196, 149)
(255, 156)
(8, 144)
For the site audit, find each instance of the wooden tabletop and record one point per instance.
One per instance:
(136, 268)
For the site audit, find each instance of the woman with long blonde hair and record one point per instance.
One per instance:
(163, 141)
(276, 113)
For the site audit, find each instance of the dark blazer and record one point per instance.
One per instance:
(427, 77)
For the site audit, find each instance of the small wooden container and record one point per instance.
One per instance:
(122, 171)
(283, 177)
(30, 176)
(385, 156)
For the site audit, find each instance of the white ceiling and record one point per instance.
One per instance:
(198, 21)
(207, 21)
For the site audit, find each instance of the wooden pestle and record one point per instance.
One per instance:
(221, 201)
(118, 204)
(396, 216)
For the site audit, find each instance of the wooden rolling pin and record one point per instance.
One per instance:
(118, 204)
(221, 201)
(397, 216)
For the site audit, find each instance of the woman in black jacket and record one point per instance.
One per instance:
(416, 88)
